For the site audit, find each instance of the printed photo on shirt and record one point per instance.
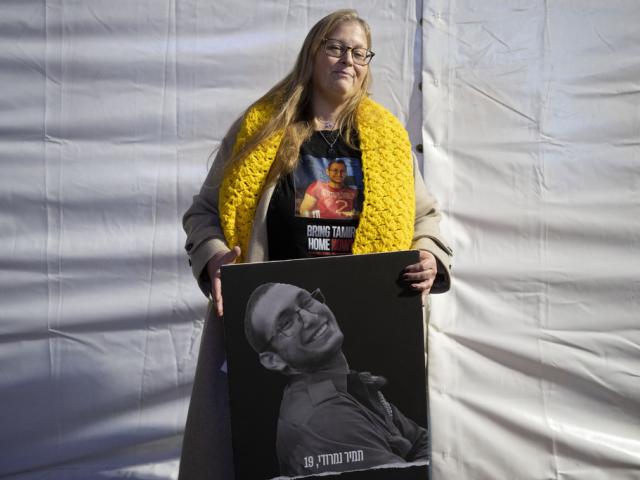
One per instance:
(329, 188)
(326, 376)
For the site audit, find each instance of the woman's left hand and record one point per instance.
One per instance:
(421, 275)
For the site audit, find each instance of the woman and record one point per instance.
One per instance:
(322, 103)
(250, 207)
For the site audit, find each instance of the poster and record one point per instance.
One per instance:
(326, 369)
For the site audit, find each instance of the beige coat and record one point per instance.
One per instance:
(206, 450)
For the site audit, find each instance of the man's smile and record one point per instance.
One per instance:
(318, 333)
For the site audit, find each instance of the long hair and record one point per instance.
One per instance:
(291, 97)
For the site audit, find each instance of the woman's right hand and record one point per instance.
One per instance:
(213, 269)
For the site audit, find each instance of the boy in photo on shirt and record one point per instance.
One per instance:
(332, 199)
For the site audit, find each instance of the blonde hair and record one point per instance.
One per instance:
(291, 98)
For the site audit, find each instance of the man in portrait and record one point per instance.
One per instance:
(331, 418)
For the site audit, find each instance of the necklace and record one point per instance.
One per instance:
(326, 124)
(332, 150)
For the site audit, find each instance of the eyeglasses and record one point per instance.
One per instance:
(336, 48)
(288, 324)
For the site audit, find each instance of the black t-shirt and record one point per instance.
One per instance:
(315, 210)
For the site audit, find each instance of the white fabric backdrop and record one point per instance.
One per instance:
(109, 112)
(530, 120)
(532, 141)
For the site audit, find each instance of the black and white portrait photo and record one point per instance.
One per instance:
(326, 369)
(326, 407)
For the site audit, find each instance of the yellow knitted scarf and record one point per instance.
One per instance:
(387, 218)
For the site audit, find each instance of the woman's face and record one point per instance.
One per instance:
(337, 79)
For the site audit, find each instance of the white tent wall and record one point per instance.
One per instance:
(532, 145)
(530, 121)
(109, 113)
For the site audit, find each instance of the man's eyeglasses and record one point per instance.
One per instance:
(335, 48)
(287, 325)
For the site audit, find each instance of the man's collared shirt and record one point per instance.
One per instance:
(337, 422)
